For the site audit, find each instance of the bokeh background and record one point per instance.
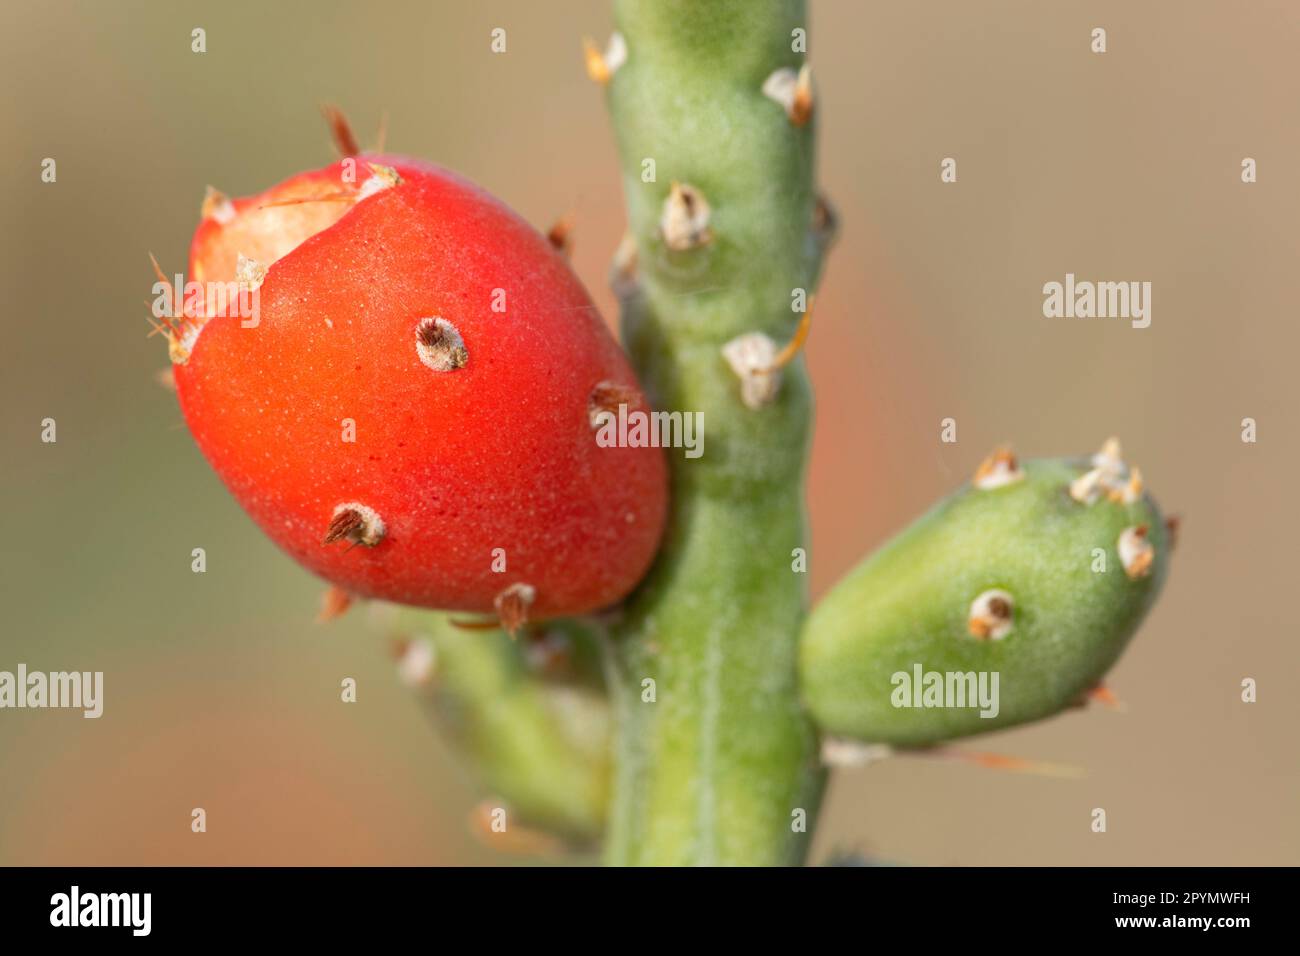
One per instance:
(222, 692)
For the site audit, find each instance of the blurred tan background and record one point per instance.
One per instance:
(221, 692)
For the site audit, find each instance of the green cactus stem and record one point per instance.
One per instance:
(1036, 573)
(528, 715)
(715, 759)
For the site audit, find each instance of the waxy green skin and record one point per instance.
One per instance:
(908, 604)
(712, 770)
(539, 745)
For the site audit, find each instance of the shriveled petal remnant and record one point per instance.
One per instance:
(249, 272)
(380, 178)
(217, 205)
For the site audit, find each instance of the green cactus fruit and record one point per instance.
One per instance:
(528, 714)
(1004, 604)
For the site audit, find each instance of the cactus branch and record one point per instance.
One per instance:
(715, 761)
(535, 734)
(1035, 573)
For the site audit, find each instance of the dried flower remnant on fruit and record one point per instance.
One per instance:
(1136, 553)
(249, 273)
(605, 399)
(217, 206)
(752, 357)
(998, 469)
(380, 178)
(512, 606)
(601, 67)
(991, 615)
(355, 523)
(439, 345)
(684, 223)
(792, 90)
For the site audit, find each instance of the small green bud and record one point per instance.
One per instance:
(1003, 605)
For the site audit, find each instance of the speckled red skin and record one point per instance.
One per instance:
(498, 454)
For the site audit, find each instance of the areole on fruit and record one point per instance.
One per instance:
(439, 345)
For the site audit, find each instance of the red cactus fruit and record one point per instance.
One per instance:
(410, 415)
